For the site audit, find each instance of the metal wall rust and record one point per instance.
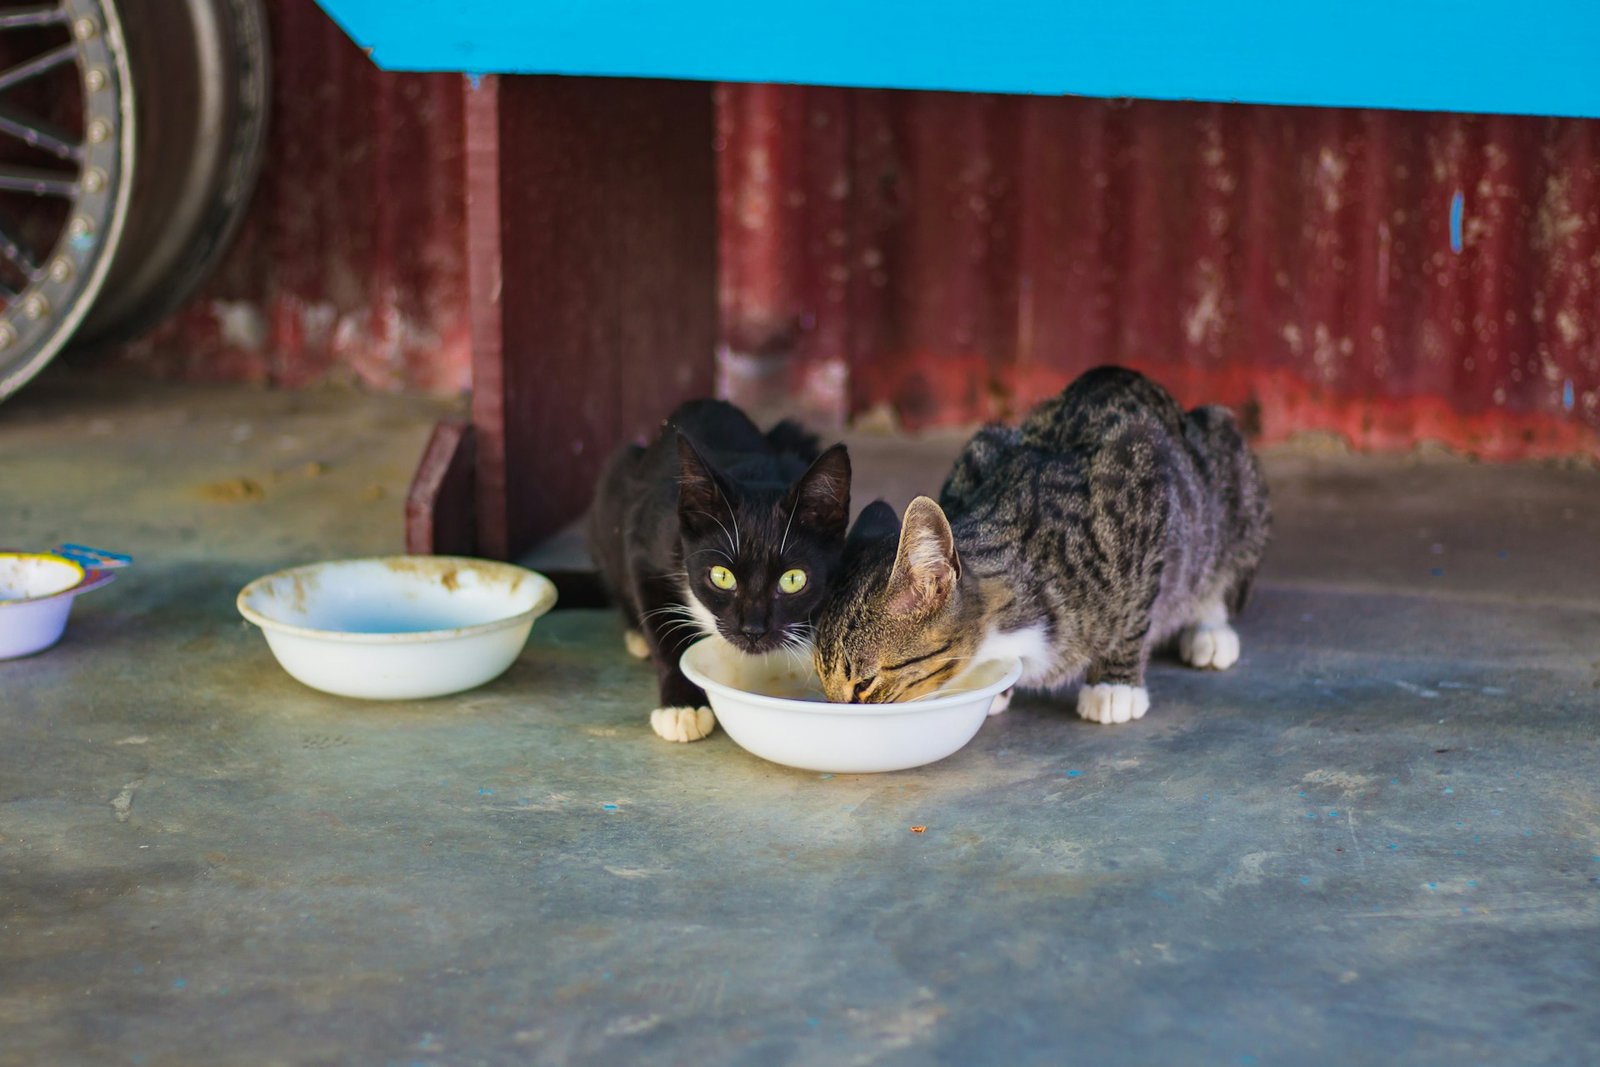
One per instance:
(955, 257)
(350, 265)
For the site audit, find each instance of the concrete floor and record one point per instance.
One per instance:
(1376, 840)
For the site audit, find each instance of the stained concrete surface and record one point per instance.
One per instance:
(1376, 840)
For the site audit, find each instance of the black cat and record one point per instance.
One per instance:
(716, 527)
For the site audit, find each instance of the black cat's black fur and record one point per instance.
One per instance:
(713, 491)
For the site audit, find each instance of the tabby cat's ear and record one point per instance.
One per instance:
(926, 566)
(820, 500)
(700, 492)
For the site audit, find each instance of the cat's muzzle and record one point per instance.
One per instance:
(756, 644)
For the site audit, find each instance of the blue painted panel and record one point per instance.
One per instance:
(1466, 55)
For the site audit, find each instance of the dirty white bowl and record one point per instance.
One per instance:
(400, 627)
(773, 706)
(36, 593)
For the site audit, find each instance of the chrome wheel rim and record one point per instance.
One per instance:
(48, 282)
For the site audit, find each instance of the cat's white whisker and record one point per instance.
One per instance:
(732, 517)
(670, 609)
(784, 544)
(681, 624)
(675, 630)
(732, 540)
(797, 645)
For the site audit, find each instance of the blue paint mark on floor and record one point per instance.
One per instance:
(1457, 206)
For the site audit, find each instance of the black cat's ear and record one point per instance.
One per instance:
(876, 522)
(700, 493)
(820, 500)
(926, 566)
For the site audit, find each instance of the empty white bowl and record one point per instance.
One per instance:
(36, 593)
(773, 706)
(400, 627)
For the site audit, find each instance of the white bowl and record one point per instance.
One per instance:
(36, 593)
(773, 706)
(400, 627)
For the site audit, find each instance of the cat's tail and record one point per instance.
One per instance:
(605, 521)
(621, 465)
(789, 438)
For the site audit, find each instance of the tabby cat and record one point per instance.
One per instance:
(716, 527)
(1106, 523)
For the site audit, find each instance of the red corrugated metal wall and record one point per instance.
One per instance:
(957, 257)
(351, 263)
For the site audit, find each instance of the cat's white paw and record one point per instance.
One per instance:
(1209, 646)
(1002, 701)
(636, 645)
(682, 724)
(1109, 704)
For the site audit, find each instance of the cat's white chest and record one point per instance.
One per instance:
(1030, 645)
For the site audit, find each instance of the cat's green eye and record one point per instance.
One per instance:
(723, 578)
(792, 581)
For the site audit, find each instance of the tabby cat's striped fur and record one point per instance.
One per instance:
(1106, 523)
